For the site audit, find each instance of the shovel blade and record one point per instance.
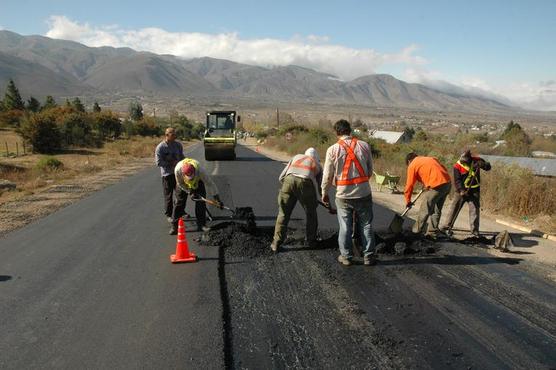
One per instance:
(396, 224)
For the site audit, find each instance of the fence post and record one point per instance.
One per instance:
(23, 145)
(7, 152)
(16, 149)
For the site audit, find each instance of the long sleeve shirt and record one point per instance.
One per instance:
(314, 174)
(461, 173)
(167, 155)
(210, 186)
(428, 171)
(336, 157)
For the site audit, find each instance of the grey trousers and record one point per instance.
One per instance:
(473, 200)
(431, 207)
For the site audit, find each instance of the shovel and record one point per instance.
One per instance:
(397, 223)
(212, 203)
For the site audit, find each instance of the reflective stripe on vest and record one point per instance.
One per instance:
(470, 176)
(351, 158)
(194, 182)
(305, 163)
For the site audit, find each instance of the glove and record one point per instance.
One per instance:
(409, 204)
(219, 203)
(463, 193)
(326, 199)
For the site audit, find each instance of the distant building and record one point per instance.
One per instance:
(539, 166)
(391, 137)
(541, 154)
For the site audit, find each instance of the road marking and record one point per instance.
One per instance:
(216, 168)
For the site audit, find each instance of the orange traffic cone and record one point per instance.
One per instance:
(182, 247)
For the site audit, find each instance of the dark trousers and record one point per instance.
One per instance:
(200, 207)
(168, 186)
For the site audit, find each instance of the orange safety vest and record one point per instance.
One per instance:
(306, 163)
(351, 158)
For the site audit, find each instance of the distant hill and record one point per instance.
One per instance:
(43, 66)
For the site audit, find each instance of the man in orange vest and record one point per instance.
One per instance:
(467, 180)
(300, 182)
(348, 167)
(436, 181)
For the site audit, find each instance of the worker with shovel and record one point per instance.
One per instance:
(467, 181)
(300, 179)
(192, 179)
(349, 166)
(436, 182)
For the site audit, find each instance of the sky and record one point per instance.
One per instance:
(506, 47)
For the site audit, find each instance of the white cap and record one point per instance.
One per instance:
(312, 152)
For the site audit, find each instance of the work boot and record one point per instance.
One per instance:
(312, 243)
(275, 247)
(169, 219)
(369, 260)
(173, 229)
(344, 260)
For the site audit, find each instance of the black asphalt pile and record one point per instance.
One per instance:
(246, 214)
(403, 244)
(239, 239)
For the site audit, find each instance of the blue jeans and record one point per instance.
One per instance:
(362, 209)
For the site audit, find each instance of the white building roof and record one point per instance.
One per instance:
(391, 137)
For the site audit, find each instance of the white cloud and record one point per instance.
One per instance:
(311, 51)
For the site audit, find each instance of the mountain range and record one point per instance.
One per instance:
(43, 66)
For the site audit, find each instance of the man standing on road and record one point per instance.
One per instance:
(467, 180)
(192, 179)
(436, 181)
(300, 180)
(167, 154)
(348, 166)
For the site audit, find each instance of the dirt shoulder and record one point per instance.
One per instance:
(527, 245)
(84, 174)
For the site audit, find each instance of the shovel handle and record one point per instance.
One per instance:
(211, 202)
(414, 200)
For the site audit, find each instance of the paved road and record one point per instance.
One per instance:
(91, 286)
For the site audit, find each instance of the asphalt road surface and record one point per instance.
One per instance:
(91, 286)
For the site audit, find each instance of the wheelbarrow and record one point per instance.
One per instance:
(389, 181)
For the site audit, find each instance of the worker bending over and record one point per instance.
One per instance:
(436, 181)
(192, 179)
(467, 181)
(300, 180)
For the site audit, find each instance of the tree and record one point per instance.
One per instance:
(77, 105)
(107, 124)
(96, 108)
(49, 103)
(12, 99)
(409, 132)
(518, 143)
(135, 111)
(421, 135)
(33, 105)
(41, 131)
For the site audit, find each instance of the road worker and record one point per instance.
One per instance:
(192, 179)
(300, 181)
(467, 181)
(348, 166)
(167, 154)
(436, 182)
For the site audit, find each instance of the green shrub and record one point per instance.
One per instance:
(40, 130)
(49, 163)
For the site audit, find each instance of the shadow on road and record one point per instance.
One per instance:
(452, 260)
(5, 277)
